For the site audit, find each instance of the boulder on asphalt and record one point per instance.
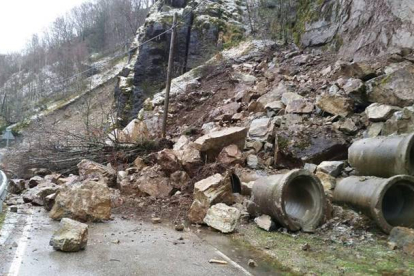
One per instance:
(403, 238)
(380, 112)
(97, 172)
(16, 186)
(333, 168)
(168, 161)
(72, 236)
(37, 194)
(230, 155)
(222, 217)
(260, 129)
(212, 143)
(84, 201)
(207, 192)
(395, 88)
(265, 222)
(335, 104)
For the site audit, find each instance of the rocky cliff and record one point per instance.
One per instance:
(204, 28)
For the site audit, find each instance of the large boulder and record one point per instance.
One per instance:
(95, 171)
(396, 88)
(207, 192)
(168, 161)
(222, 217)
(153, 182)
(84, 201)
(72, 236)
(212, 143)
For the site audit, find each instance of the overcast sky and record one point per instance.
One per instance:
(19, 19)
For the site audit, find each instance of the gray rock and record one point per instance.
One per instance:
(72, 236)
(374, 130)
(260, 129)
(347, 126)
(401, 122)
(355, 89)
(333, 168)
(95, 171)
(265, 222)
(395, 89)
(288, 97)
(380, 112)
(252, 161)
(37, 194)
(222, 217)
(16, 186)
(300, 106)
(310, 167)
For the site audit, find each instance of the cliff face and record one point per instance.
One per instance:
(359, 29)
(204, 27)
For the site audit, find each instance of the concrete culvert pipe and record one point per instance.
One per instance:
(383, 156)
(296, 199)
(390, 202)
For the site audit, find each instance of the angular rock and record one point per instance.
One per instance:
(289, 97)
(265, 222)
(37, 194)
(207, 192)
(222, 217)
(179, 180)
(190, 159)
(72, 236)
(168, 161)
(83, 201)
(380, 112)
(404, 238)
(347, 126)
(181, 143)
(335, 104)
(273, 95)
(212, 143)
(95, 171)
(328, 181)
(230, 155)
(16, 186)
(49, 201)
(374, 130)
(136, 131)
(299, 106)
(260, 129)
(355, 89)
(395, 88)
(68, 180)
(333, 168)
(154, 183)
(225, 112)
(401, 122)
(310, 167)
(252, 161)
(34, 181)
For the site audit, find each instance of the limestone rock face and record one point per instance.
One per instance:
(83, 201)
(222, 217)
(95, 171)
(207, 192)
(72, 236)
(213, 142)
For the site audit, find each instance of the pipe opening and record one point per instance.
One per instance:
(302, 195)
(398, 204)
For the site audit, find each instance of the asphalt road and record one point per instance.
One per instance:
(118, 247)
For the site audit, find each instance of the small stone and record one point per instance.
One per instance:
(179, 227)
(252, 161)
(156, 220)
(252, 263)
(265, 222)
(13, 209)
(333, 168)
(392, 245)
(310, 167)
(306, 247)
(116, 242)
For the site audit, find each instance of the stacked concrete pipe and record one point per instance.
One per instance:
(389, 201)
(296, 199)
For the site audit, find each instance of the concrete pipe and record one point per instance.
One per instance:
(390, 202)
(383, 156)
(295, 199)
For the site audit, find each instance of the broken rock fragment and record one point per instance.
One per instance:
(207, 192)
(222, 217)
(72, 236)
(84, 201)
(335, 104)
(265, 222)
(230, 155)
(95, 171)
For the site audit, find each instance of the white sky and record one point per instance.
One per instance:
(19, 19)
